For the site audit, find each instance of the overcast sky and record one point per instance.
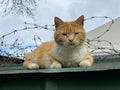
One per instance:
(65, 9)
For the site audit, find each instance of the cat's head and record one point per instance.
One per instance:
(69, 34)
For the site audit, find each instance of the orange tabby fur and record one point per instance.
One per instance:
(67, 50)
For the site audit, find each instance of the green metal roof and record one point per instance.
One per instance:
(99, 65)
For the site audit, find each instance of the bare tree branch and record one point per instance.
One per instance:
(24, 7)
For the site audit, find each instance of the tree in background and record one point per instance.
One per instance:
(24, 7)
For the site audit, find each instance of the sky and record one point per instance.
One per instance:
(67, 10)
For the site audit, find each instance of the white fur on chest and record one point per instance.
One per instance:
(69, 57)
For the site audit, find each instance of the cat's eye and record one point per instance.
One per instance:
(64, 34)
(76, 33)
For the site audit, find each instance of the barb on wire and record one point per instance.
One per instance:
(36, 37)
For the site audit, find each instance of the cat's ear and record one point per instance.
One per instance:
(58, 22)
(80, 20)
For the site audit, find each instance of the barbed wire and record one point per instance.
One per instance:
(18, 50)
(97, 49)
(112, 22)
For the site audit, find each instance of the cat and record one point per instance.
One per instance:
(67, 50)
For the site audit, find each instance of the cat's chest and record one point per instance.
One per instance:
(70, 60)
(70, 57)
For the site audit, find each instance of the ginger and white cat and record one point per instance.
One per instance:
(67, 50)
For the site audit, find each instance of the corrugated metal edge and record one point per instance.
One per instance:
(103, 64)
(99, 67)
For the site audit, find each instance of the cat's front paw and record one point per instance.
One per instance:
(55, 65)
(85, 63)
(33, 66)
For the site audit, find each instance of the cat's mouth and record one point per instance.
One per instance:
(73, 44)
(70, 44)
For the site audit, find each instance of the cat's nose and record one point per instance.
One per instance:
(70, 40)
